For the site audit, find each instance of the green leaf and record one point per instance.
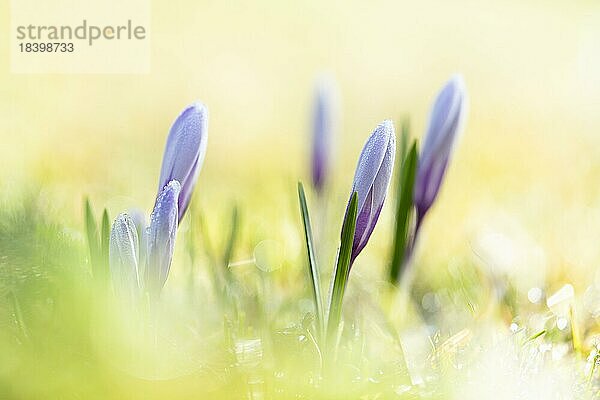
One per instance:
(342, 270)
(91, 229)
(312, 263)
(404, 210)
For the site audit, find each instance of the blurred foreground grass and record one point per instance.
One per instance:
(469, 332)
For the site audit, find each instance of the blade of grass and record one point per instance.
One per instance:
(105, 233)
(206, 242)
(18, 315)
(404, 139)
(190, 248)
(404, 209)
(575, 335)
(315, 343)
(104, 243)
(217, 283)
(312, 263)
(342, 270)
(91, 229)
(595, 361)
(231, 241)
(535, 336)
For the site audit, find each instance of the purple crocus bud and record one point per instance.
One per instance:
(323, 126)
(123, 256)
(445, 124)
(184, 152)
(160, 237)
(371, 182)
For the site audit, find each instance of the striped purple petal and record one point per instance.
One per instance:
(161, 238)
(123, 257)
(445, 124)
(371, 181)
(184, 152)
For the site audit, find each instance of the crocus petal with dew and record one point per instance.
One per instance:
(184, 152)
(161, 238)
(445, 124)
(371, 181)
(124, 256)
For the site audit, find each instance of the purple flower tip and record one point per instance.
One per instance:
(160, 237)
(445, 124)
(323, 126)
(184, 152)
(371, 181)
(123, 256)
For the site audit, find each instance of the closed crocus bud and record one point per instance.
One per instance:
(160, 238)
(123, 257)
(323, 126)
(184, 152)
(445, 124)
(371, 182)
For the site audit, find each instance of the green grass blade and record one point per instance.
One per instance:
(91, 229)
(104, 243)
(536, 335)
(575, 334)
(206, 242)
(231, 240)
(404, 209)
(217, 279)
(342, 270)
(312, 263)
(404, 140)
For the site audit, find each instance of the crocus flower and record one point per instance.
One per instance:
(371, 182)
(445, 124)
(323, 125)
(160, 238)
(124, 256)
(184, 153)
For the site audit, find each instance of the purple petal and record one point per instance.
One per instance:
(161, 237)
(371, 159)
(371, 182)
(123, 257)
(187, 189)
(358, 247)
(185, 151)
(363, 220)
(445, 125)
